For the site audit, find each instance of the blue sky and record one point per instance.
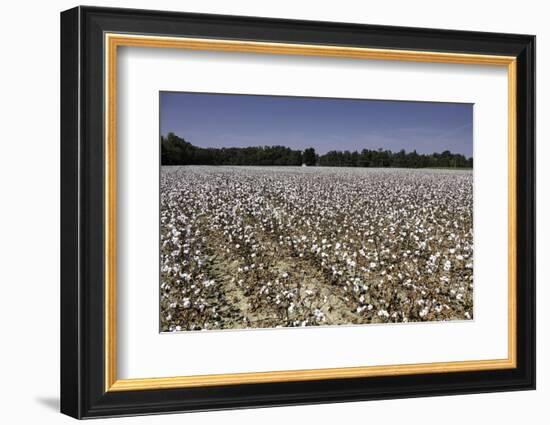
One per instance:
(222, 120)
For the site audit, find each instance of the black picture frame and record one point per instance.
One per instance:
(83, 392)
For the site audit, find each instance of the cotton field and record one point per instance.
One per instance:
(266, 247)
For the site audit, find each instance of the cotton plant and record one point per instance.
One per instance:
(271, 247)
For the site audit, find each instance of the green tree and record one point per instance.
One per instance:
(176, 150)
(309, 156)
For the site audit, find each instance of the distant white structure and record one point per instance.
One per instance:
(304, 164)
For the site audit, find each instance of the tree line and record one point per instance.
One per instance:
(402, 159)
(177, 151)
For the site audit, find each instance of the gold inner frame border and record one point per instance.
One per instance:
(111, 43)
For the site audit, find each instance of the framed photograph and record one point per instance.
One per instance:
(261, 212)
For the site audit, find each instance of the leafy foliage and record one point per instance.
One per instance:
(177, 151)
(385, 158)
(310, 157)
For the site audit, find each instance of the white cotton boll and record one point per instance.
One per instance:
(319, 315)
